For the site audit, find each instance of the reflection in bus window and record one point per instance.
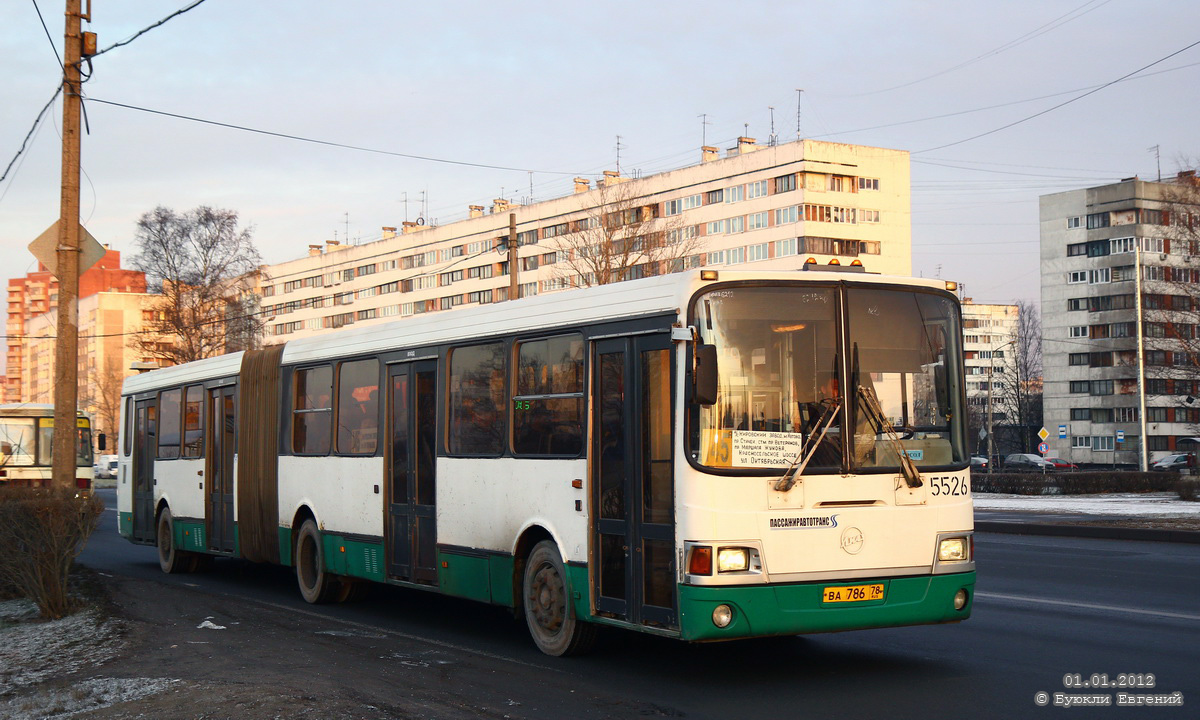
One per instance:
(169, 412)
(16, 441)
(548, 400)
(193, 422)
(358, 407)
(311, 410)
(476, 402)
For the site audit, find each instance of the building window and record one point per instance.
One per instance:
(1121, 245)
(1101, 415)
(868, 183)
(1102, 442)
(1101, 387)
(734, 194)
(868, 216)
(756, 221)
(784, 216)
(477, 421)
(761, 251)
(358, 407)
(784, 183)
(756, 189)
(1156, 414)
(1077, 359)
(1077, 304)
(1080, 386)
(1099, 276)
(1078, 331)
(1077, 249)
(712, 197)
(1083, 442)
(312, 411)
(1081, 414)
(1077, 276)
(785, 247)
(1097, 220)
(1074, 222)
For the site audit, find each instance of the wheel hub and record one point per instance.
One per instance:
(547, 599)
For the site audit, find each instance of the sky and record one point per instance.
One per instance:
(457, 103)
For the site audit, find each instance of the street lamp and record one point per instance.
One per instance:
(991, 381)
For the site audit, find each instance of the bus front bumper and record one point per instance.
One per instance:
(797, 608)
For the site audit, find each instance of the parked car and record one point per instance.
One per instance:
(106, 466)
(1177, 461)
(1027, 461)
(979, 462)
(1061, 464)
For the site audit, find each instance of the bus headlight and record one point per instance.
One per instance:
(722, 616)
(952, 549)
(733, 559)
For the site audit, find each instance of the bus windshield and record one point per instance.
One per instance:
(16, 441)
(784, 358)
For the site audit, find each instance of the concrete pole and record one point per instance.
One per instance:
(513, 287)
(66, 350)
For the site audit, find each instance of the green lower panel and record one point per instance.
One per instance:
(354, 558)
(578, 575)
(797, 608)
(501, 572)
(285, 546)
(125, 524)
(467, 576)
(189, 536)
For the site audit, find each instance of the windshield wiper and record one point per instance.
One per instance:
(809, 447)
(875, 414)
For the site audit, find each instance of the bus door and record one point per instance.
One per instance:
(222, 444)
(411, 480)
(145, 447)
(633, 536)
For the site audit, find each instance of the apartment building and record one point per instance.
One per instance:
(36, 294)
(756, 206)
(989, 333)
(1120, 271)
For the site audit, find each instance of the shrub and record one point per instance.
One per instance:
(1075, 483)
(1187, 488)
(42, 531)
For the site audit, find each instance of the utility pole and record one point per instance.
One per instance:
(66, 348)
(513, 287)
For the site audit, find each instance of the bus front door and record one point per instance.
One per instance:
(411, 480)
(633, 538)
(222, 444)
(145, 447)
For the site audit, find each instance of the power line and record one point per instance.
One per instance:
(30, 133)
(145, 30)
(328, 143)
(1067, 102)
(52, 45)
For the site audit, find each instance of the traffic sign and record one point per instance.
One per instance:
(1043, 433)
(45, 249)
(1120, 436)
(1062, 432)
(1043, 448)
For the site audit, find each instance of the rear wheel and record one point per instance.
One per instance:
(316, 584)
(170, 558)
(549, 612)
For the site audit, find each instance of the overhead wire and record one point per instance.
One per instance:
(48, 37)
(147, 29)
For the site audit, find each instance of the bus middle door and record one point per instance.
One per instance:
(411, 465)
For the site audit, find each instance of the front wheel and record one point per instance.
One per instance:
(549, 612)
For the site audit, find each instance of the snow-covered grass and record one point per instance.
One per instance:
(1143, 504)
(33, 651)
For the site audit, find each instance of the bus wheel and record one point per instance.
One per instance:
(316, 585)
(170, 558)
(548, 609)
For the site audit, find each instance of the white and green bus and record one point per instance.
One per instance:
(701, 455)
(27, 445)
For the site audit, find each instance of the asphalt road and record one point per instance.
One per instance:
(1045, 607)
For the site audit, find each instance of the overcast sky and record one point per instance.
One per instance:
(548, 87)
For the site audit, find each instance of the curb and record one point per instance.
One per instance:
(1088, 531)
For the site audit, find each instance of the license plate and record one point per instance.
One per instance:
(852, 593)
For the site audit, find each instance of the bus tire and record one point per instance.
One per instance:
(316, 584)
(170, 558)
(549, 612)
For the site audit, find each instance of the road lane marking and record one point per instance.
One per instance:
(1090, 606)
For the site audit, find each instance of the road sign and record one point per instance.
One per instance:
(1062, 432)
(45, 249)
(1043, 433)
(1120, 436)
(983, 433)
(1043, 448)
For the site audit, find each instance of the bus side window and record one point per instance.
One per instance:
(170, 412)
(193, 422)
(477, 399)
(128, 426)
(312, 408)
(358, 407)
(547, 406)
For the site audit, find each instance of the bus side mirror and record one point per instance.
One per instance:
(704, 375)
(102, 442)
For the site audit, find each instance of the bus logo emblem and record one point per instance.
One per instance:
(852, 540)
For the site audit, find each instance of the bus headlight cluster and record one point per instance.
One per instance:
(952, 549)
(733, 559)
(703, 560)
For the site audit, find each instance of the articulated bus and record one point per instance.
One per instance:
(26, 446)
(703, 455)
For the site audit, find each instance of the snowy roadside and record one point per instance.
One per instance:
(1126, 504)
(34, 654)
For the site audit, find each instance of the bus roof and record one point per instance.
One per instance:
(630, 299)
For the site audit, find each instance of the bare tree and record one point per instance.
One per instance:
(200, 263)
(623, 237)
(1018, 388)
(103, 397)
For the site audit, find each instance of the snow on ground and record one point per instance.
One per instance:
(1139, 504)
(33, 651)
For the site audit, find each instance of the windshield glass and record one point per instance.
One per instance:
(779, 378)
(83, 442)
(16, 441)
(904, 349)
